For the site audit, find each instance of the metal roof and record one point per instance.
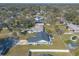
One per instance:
(40, 36)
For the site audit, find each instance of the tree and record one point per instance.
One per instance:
(68, 41)
(72, 16)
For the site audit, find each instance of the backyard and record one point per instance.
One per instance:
(57, 43)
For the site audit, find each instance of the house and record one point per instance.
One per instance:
(73, 27)
(38, 19)
(40, 38)
(39, 25)
(43, 12)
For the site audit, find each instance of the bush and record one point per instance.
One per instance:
(68, 41)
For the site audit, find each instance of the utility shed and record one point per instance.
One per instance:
(40, 38)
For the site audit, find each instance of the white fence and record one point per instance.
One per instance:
(49, 50)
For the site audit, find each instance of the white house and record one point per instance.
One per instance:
(39, 25)
(73, 27)
(40, 38)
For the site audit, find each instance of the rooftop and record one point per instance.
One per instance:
(38, 19)
(73, 27)
(39, 36)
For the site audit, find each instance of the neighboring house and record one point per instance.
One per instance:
(43, 11)
(40, 38)
(72, 27)
(39, 25)
(38, 19)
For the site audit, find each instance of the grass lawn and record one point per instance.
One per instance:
(18, 51)
(75, 52)
(52, 53)
(61, 26)
(67, 37)
(50, 28)
(26, 36)
(3, 33)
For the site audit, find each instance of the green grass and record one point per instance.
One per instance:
(18, 51)
(66, 37)
(26, 36)
(52, 53)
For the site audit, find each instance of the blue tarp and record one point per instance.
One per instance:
(40, 36)
(7, 43)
